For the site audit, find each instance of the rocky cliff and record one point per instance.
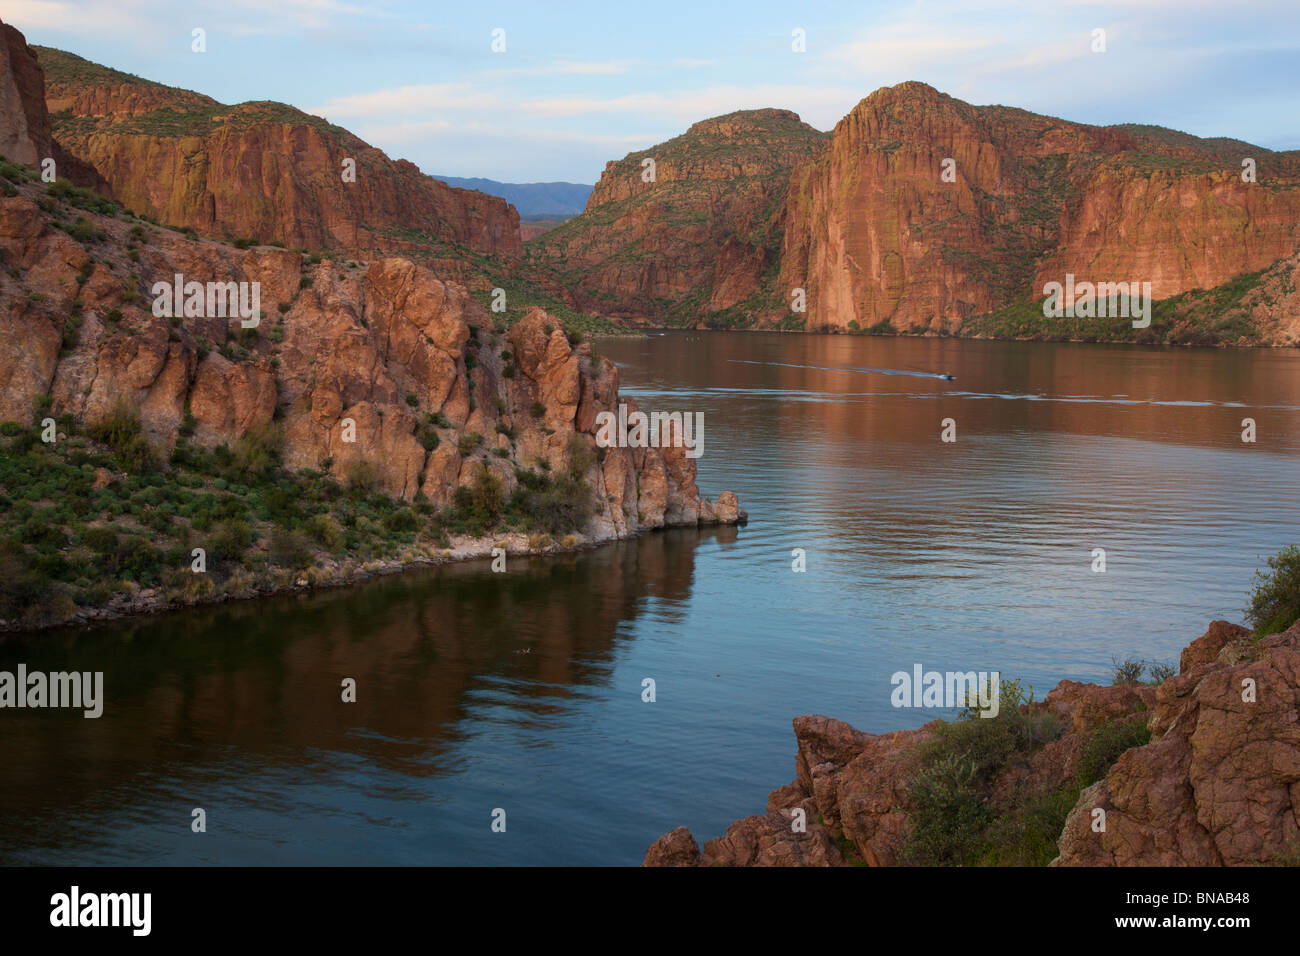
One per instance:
(697, 237)
(878, 237)
(922, 213)
(260, 170)
(24, 121)
(382, 344)
(1202, 770)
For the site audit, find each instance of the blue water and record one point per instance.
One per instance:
(971, 555)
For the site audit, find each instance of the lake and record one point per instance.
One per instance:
(523, 691)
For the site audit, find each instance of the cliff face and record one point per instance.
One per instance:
(699, 237)
(260, 170)
(24, 122)
(878, 238)
(381, 349)
(883, 234)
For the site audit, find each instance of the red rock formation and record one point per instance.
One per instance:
(260, 170)
(1218, 784)
(750, 207)
(24, 121)
(351, 349)
(354, 359)
(876, 236)
(700, 234)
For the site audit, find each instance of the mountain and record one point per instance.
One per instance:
(552, 200)
(879, 239)
(696, 238)
(260, 170)
(379, 383)
(748, 208)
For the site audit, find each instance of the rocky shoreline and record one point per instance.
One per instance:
(273, 581)
(1217, 783)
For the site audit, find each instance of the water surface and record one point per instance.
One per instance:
(522, 691)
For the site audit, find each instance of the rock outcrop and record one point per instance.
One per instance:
(24, 120)
(1218, 783)
(353, 362)
(376, 371)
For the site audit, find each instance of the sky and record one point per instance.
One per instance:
(581, 83)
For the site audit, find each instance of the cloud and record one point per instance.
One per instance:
(96, 18)
(408, 99)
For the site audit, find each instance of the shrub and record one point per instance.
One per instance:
(403, 519)
(121, 431)
(100, 540)
(257, 451)
(957, 769)
(581, 456)
(1275, 602)
(1105, 745)
(467, 442)
(554, 506)
(1127, 672)
(326, 532)
(479, 505)
(362, 479)
(950, 818)
(289, 550)
(232, 540)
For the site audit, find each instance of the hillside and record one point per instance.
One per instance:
(751, 207)
(699, 238)
(260, 170)
(357, 415)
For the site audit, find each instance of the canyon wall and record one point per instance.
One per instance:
(260, 170)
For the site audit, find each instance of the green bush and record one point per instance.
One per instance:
(581, 456)
(1105, 745)
(957, 768)
(289, 550)
(554, 506)
(121, 431)
(950, 818)
(232, 539)
(257, 451)
(100, 540)
(1275, 602)
(362, 479)
(326, 532)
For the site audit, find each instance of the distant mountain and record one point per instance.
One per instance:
(531, 199)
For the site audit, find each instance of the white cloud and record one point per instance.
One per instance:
(409, 99)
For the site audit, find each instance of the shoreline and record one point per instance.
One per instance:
(277, 581)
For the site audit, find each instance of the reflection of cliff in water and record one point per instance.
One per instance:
(259, 681)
